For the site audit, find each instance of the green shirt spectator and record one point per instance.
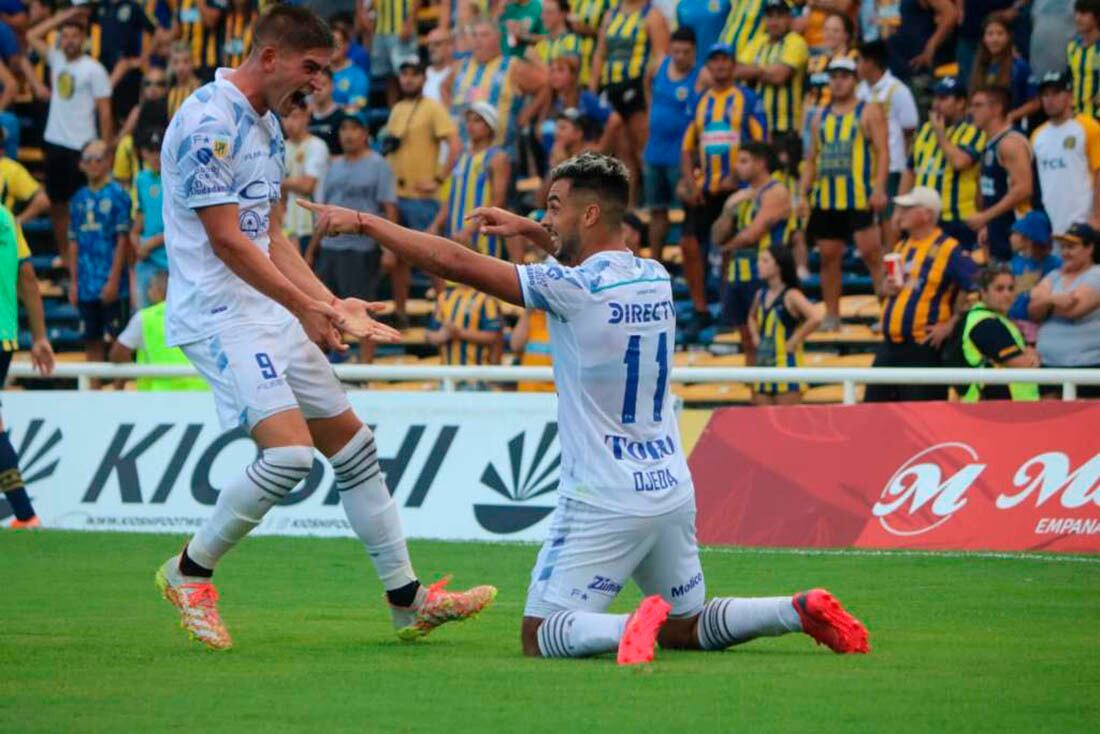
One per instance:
(520, 25)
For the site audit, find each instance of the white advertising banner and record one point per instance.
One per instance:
(464, 465)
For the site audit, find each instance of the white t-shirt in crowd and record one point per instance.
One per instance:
(217, 150)
(76, 86)
(132, 336)
(901, 113)
(433, 82)
(612, 333)
(306, 158)
(1067, 157)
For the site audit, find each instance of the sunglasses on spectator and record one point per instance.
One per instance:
(154, 83)
(93, 158)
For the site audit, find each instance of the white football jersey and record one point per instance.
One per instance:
(217, 151)
(1066, 157)
(612, 334)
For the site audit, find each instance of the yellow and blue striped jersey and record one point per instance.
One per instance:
(627, 42)
(471, 187)
(742, 267)
(723, 118)
(202, 40)
(591, 13)
(465, 308)
(537, 351)
(178, 94)
(936, 268)
(567, 44)
(845, 162)
(489, 82)
(783, 102)
(391, 16)
(930, 167)
(744, 25)
(777, 325)
(235, 42)
(1084, 67)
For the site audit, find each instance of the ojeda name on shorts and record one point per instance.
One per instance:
(640, 313)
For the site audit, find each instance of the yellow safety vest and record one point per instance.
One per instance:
(155, 351)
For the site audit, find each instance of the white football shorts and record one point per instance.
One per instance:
(257, 371)
(591, 553)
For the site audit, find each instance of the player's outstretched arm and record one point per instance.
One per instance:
(354, 312)
(319, 319)
(495, 221)
(437, 255)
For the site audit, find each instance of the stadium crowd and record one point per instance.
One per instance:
(941, 155)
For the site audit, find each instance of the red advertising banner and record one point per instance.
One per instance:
(936, 476)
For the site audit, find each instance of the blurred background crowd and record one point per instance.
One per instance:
(830, 182)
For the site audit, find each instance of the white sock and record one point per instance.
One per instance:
(371, 510)
(580, 634)
(243, 503)
(726, 622)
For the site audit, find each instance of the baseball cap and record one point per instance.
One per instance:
(1056, 79)
(1035, 225)
(486, 112)
(150, 141)
(950, 86)
(411, 60)
(719, 48)
(777, 5)
(572, 114)
(1079, 233)
(356, 116)
(921, 196)
(843, 63)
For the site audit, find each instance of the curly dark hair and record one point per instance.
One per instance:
(603, 175)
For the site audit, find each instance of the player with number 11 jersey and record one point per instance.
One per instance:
(626, 508)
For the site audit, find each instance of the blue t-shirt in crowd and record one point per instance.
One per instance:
(125, 23)
(671, 112)
(707, 18)
(150, 199)
(359, 56)
(96, 219)
(589, 104)
(350, 86)
(1028, 272)
(9, 43)
(1021, 84)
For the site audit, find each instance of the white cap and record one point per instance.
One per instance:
(921, 196)
(842, 63)
(486, 112)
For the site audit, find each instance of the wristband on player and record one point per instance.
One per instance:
(359, 221)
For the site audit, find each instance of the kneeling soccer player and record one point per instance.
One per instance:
(237, 284)
(627, 506)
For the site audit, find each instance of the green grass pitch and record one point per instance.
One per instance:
(962, 644)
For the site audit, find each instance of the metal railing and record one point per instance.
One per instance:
(847, 377)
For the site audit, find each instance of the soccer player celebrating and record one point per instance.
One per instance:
(253, 320)
(627, 506)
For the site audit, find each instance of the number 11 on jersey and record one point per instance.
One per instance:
(633, 362)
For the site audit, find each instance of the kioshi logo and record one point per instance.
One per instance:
(527, 477)
(34, 454)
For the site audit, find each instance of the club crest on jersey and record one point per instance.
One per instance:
(220, 147)
(1070, 142)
